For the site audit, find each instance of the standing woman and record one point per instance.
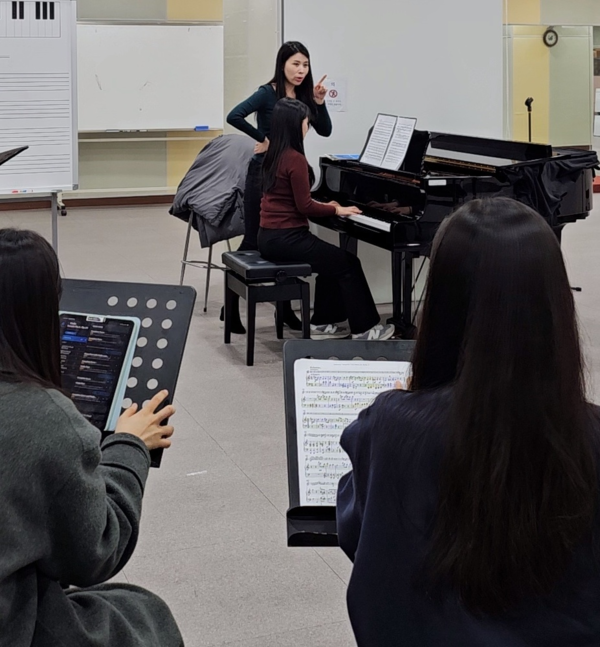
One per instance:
(292, 79)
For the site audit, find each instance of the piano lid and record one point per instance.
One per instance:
(499, 152)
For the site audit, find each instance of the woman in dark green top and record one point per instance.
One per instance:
(292, 79)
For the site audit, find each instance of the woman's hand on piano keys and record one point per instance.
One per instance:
(344, 212)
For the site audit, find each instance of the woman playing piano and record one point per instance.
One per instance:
(341, 291)
(293, 79)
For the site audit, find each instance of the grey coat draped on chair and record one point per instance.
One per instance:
(213, 189)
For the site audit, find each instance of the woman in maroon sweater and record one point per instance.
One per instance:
(341, 293)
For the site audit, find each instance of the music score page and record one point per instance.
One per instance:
(329, 396)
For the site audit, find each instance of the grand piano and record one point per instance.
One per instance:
(402, 210)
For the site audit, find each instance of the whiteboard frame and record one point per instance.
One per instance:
(74, 99)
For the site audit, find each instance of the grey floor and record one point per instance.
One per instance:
(212, 542)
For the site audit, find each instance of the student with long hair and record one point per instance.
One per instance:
(341, 290)
(70, 507)
(471, 512)
(293, 79)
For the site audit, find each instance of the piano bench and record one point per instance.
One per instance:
(256, 280)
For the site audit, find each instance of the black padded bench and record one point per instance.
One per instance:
(257, 281)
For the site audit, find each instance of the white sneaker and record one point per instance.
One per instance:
(328, 331)
(380, 332)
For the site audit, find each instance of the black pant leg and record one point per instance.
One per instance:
(345, 286)
(329, 304)
(252, 199)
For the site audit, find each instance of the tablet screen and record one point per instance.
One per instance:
(96, 354)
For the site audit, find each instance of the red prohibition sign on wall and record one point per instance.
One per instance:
(333, 94)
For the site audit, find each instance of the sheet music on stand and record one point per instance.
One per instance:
(389, 141)
(329, 396)
(327, 384)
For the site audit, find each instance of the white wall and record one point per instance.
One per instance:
(441, 62)
(570, 12)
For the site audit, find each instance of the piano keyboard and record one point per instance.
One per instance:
(28, 19)
(382, 225)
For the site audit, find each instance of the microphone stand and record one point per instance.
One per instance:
(528, 103)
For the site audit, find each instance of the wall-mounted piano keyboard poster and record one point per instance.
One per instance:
(329, 396)
(38, 96)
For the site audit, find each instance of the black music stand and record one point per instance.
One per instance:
(165, 313)
(316, 525)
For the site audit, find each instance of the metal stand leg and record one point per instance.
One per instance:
(185, 249)
(306, 311)
(208, 269)
(228, 245)
(54, 203)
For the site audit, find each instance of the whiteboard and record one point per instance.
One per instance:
(38, 96)
(442, 64)
(150, 77)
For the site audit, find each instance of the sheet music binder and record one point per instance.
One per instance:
(316, 525)
(165, 312)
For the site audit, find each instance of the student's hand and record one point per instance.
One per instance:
(334, 203)
(261, 147)
(401, 386)
(320, 92)
(145, 424)
(347, 211)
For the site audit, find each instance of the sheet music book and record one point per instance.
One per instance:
(329, 396)
(389, 142)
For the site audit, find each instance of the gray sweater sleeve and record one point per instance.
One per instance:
(93, 521)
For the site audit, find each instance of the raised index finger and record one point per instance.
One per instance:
(321, 81)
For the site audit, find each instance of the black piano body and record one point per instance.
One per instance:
(402, 210)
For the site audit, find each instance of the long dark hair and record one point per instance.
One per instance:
(305, 91)
(30, 288)
(518, 486)
(286, 133)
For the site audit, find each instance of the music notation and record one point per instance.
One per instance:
(329, 396)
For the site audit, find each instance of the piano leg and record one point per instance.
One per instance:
(558, 231)
(402, 290)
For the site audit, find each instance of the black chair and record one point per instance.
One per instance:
(257, 281)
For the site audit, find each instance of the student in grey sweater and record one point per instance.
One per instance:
(70, 507)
